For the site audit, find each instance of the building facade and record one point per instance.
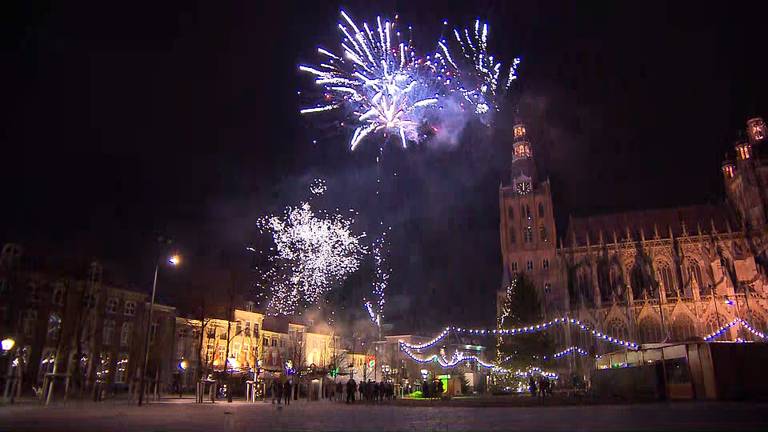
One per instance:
(645, 276)
(251, 341)
(91, 331)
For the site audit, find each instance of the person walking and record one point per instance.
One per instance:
(287, 392)
(273, 390)
(339, 389)
(351, 389)
(532, 386)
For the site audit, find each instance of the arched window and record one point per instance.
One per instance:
(122, 368)
(584, 284)
(682, 328)
(603, 281)
(28, 322)
(649, 330)
(617, 329)
(694, 276)
(47, 361)
(541, 210)
(714, 322)
(543, 233)
(108, 332)
(528, 234)
(639, 281)
(125, 334)
(510, 212)
(512, 236)
(54, 326)
(105, 366)
(666, 280)
(58, 295)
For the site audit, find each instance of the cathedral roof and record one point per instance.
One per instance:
(679, 220)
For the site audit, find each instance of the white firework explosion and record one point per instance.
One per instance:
(312, 254)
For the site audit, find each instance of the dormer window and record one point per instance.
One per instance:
(728, 170)
(522, 150)
(743, 151)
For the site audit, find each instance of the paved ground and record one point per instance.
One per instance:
(313, 416)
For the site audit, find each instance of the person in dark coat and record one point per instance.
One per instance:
(287, 392)
(273, 389)
(351, 389)
(279, 391)
(339, 389)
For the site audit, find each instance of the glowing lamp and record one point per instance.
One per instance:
(183, 365)
(174, 260)
(233, 363)
(8, 344)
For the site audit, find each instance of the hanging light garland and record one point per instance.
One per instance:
(581, 326)
(429, 344)
(532, 370)
(457, 358)
(524, 330)
(751, 329)
(567, 351)
(719, 332)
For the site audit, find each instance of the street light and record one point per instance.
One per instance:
(10, 381)
(8, 344)
(174, 260)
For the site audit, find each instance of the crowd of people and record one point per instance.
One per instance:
(432, 390)
(542, 387)
(281, 391)
(370, 390)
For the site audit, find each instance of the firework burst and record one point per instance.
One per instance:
(380, 85)
(312, 254)
(482, 75)
(379, 82)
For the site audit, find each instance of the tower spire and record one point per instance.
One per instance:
(523, 168)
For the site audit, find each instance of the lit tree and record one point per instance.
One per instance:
(522, 307)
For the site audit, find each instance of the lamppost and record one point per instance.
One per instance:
(174, 260)
(7, 344)
(183, 365)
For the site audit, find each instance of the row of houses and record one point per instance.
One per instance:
(93, 333)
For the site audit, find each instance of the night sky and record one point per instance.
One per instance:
(123, 120)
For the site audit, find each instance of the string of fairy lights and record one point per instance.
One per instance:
(569, 350)
(579, 325)
(459, 357)
(523, 330)
(719, 332)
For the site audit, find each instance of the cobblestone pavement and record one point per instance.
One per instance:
(313, 416)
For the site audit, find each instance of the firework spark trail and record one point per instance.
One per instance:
(381, 279)
(481, 83)
(312, 254)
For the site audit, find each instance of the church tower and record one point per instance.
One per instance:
(527, 228)
(745, 181)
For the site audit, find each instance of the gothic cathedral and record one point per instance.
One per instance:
(646, 276)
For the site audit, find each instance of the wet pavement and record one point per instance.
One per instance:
(184, 415)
